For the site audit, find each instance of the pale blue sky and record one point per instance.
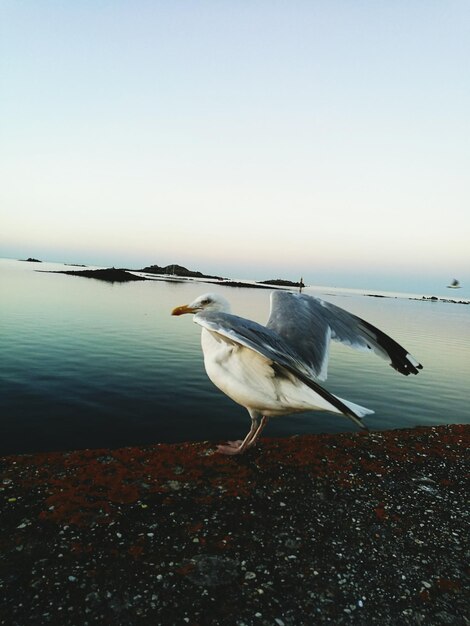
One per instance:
(252, 139)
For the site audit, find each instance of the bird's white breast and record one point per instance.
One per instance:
(239, 372)
(249, 379)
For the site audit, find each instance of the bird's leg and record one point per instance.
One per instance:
(238, 447)
(259, 430)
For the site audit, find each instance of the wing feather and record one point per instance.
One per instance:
(307, 324)
(266, 342)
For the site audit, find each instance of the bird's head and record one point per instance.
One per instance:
(206, 302)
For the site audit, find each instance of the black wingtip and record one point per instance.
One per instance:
(405, 364)
(400, 359)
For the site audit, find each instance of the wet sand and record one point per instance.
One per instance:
(365, 528)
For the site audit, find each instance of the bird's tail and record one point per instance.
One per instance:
(358, 410)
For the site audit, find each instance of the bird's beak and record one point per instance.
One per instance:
(181, 310)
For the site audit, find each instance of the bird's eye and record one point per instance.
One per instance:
(206, 301)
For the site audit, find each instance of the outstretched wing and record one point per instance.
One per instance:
(270, 345)
(307, 324)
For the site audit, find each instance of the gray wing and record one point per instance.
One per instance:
(307, 324)
(269, 344)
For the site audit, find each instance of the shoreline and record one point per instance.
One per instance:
(122, 275)
(346, 528)
(177, 273)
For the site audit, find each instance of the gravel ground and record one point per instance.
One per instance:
(328, 529)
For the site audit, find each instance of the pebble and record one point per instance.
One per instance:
(175, 485)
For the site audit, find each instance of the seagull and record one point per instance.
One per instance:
(454, 284)
(274, 370)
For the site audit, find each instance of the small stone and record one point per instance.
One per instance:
(72, 579)
(426, 584)
(175, 485)
(250, 575)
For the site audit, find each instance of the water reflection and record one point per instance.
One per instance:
(90, 364)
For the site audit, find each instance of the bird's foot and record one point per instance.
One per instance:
(231, 447)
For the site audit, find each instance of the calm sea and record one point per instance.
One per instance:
(84, 363)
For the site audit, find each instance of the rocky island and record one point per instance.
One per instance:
(279, 282)
(171, 272)
(111, 275)
(177, 270)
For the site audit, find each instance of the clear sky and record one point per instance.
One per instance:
(322, 138)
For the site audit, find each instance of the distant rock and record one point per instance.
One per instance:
(31, 260)
(282, 283)
(436, 299)
(235, 283)
(111, 275)
(177, 270)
